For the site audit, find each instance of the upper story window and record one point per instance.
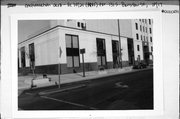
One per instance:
(140, 28)
(150, 39)
(78, 24)
(143, 29)
(138, 48)
(146, 38)
(150, 30)
(150, 21)
(81, 25)
(137, 36)
(136, 26)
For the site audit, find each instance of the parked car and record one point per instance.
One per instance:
(140, 65)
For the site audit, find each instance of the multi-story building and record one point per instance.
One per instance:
(143, 39)
(107, 43)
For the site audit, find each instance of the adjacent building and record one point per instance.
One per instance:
(108, 43)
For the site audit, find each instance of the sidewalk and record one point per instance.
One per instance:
(24, 82)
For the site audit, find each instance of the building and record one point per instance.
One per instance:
(107, 43)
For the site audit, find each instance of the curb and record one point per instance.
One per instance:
(96, 77)
(47, 92)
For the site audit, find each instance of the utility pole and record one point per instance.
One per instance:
(83, 65)
(120, 56)
(59, 66)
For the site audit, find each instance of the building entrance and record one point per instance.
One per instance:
(146, 54)
(130, 51)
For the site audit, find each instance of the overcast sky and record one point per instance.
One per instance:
(28, 27)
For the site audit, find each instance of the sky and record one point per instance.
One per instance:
(28, 27)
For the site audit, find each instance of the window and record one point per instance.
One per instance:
(151, 48)
(72, 51)
(137, 36)
(145, 20)
(144, 38)
(82, 25)
(151, 39)
(146, 29)
(150, 21)
(136, 26)
(115, 47)
(137, 47)
(31, 55)
(150, 30)
(78, 24)
(101, 51)
(143, 29)
(23, 57)
(140, 28)
(141, 37)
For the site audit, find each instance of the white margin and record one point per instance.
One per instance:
(158, 74)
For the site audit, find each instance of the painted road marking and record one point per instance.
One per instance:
(29, 93)
(67, 102)
(119, 85)
(48, 92)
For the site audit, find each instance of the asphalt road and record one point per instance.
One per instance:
(132, 91)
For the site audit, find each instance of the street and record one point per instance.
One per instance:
(131, 91)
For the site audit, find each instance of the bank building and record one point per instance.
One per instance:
(105, 44)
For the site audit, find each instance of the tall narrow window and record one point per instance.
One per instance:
(23, 57)
(141, 37)
(150, 21)
(136, 26)
(101, 51)
(150, 30)
(143, 29)
(137, 47)
(151, 39)
(31, 55)
(137, 36)
(140, 28)
(72, 51)
(78, 24)
(151, 48)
